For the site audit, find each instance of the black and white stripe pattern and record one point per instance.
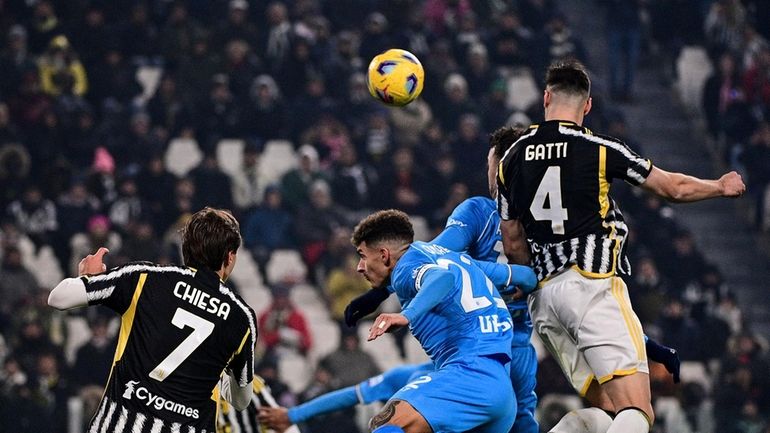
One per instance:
(98, 295)
(138, 267)
(247, 373)
(638, 167)
(595, 253)
(114, 418)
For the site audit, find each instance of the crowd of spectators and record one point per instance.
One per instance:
(83, 139)
(736, 97)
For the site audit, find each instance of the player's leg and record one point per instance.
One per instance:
(588, 420)
(523, 371)
(399, 414)
(613, 343)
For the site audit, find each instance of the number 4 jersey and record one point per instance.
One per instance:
(556, 180)
(180, 329)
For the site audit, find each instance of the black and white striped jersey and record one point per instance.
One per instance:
(180, 329)
(245, 421)
(556, 180)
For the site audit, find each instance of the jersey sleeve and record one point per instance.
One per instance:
(114, 288)
(382, 387)
(624, 163)
(242, 364)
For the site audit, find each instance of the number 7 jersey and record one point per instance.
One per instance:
(556, 180)
(180, 329)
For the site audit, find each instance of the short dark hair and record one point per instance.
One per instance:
(384, 225)
(208, 237)
(568, 76)
(503, 138)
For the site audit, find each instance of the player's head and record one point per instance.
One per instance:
(380, 239)
(499, 142)
(211, 239)
(567, 87)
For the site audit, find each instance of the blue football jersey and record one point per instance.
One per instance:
(466, 322)
(474, 228)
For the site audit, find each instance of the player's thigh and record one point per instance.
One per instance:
(597, 397)
(559, 334)
(400, 413)
(610, 335)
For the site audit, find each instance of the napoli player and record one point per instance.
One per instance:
(377, 388)
(454, 310)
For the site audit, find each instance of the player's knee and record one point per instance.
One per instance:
(388, 429)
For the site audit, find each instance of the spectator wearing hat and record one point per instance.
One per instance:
(98, 234)
(60, 69)
(283, 326)
(265, 116)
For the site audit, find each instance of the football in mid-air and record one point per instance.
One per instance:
(395, 77)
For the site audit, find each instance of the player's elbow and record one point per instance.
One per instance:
(241, 397)
(57, 300)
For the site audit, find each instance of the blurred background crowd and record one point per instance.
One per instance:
(120, 118)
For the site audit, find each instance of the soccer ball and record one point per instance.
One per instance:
(395, 77)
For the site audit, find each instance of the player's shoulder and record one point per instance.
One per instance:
(470, 208)
(139, 267)
(417, 256)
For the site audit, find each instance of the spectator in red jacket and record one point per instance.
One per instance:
(282, 326)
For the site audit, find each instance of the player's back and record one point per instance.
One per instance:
(180, 329)
(471, 320)
(556, 181)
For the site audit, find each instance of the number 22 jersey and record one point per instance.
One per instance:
(180, 329)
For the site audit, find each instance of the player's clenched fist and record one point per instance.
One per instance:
(385, 322)
(732, 184)
(93, 263)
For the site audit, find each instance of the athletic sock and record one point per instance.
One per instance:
(630, 420)
(590, 420)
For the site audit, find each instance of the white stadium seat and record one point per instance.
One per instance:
(230, 155)
(285, 265)
(149, 78)
(294, 371)
(522, 90)
(693, 68)
(421, 228)
(183, 155)
(277, 158)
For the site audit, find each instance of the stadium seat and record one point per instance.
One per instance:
(670, 412)
(45, 267)
(183, 155)
(230, 155)
(522, 90)
(294, 371)
(277, 158)
(326, 338)
(421, 228)
(383, 349)
(285, 265)
(693, 68)
(149, 78)
(695, 371)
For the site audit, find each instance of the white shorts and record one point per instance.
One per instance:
(589, 327)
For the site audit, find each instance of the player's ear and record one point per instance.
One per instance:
(385, 255)
(546, 98)
(588, 106)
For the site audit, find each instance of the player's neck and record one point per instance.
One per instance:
(566, 114)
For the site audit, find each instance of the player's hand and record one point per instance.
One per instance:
(664, 355)
(386, 322)
(732, 185)
(93, 263)
(276, 418)
(364, 305)
(513, 295)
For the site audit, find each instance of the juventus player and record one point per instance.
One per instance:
(554, 185)
(181, 327)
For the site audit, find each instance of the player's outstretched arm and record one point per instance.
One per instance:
(71, 292)
(682, 188)
(506, 277)
(280, 418)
